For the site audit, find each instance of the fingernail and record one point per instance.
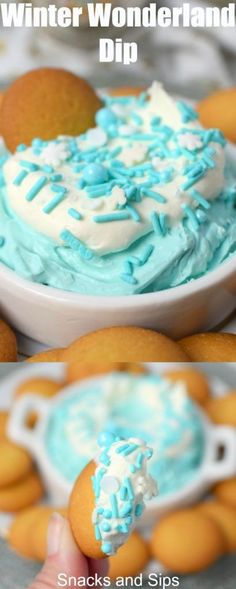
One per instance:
(55, 531)
(67, 548)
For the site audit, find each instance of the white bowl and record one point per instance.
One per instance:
(56, 318)
(212, 469)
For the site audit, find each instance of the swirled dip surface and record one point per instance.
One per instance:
(142, 202)
(146, 407)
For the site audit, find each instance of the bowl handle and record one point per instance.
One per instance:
(17, 429)
(222, 467)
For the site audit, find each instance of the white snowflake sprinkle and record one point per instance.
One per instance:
(96, 137)
(190, 141)
(55, 154)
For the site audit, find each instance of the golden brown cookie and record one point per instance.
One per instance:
(222, 410)
(210, 347)
(196, 383)
(225, 517)
(127, 91)
(81, 506)
(45, 103)
(53, 355)
(130, 559)
(219, 111)
(8, 349)
(4, 416)
(40, 530)
(15, 463)
(77, 371)
(226, 492)
(114, 344)
(46, 387)
(20, 532)
(187, 541)
(23, 494)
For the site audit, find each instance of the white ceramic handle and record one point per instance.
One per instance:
(220, 468)
(18, 430)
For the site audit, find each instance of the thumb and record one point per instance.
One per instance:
(64, 559)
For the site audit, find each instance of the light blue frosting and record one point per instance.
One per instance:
(165, 257)
(123, 404)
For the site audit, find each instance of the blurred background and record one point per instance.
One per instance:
(191, 62)
(212, 388)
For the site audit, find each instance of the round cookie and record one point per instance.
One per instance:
(45, 103)
(218, 111)
(47, 387)
(25, 493)
(127, 91)
(226, 492)
(77, 371)
(20, 532)
(222, 410)
(176, 536)
(4, 415)
(53, 355)
(8, 349)
(81, 506)
(210, 347)
(130, 559)
(15, 463)
(225, 517)
(197, 384)
(135, 344)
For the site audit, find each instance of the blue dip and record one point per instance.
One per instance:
(147, 407)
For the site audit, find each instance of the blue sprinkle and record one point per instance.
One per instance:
(37, 143)
(47, 169)
(95, 174)
(81, 184)
(76, 244)
(29, 166)
(114, 505)
(123, 493)
(106, 527)
(129, 279)
(149, 453)
(49, 207)
(21, 147)
(136, 118)
(58, 188)
(126, 510)
(100, 511)
(105, 117)
(107, 514)
(20, 177)
(75, 214)
(2, 241)
(139, 510)
(133, 213)
(200, 199)
(128, 268)
(97, 533)
(192, 217)
(36, 188)
(121, 449)
(140, 459)
(107, 547)
(188, 113)
(133, 469)
(110, 217)
(154, 195)
(189, 183)
(56, 178)
(147, 253)
(129, 488)
(155, 219)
